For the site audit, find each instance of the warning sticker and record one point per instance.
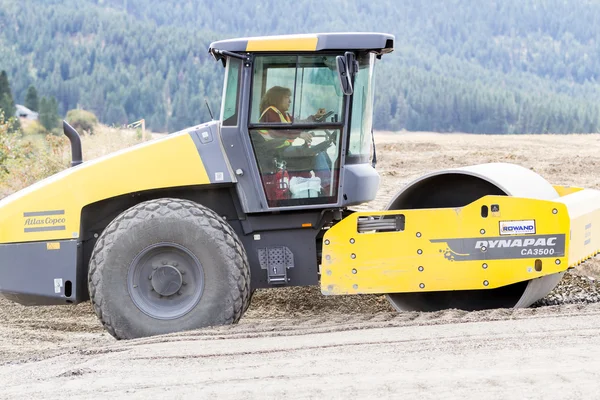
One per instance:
(53, 246)
(58, 284)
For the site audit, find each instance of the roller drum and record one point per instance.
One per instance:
(457, 188)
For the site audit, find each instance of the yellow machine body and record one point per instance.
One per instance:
(51, 209)
(447, 249)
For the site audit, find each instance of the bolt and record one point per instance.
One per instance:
(179, 292)
(165, 262)
(182, 272)
(557, 261)
(328, 272)
(328, 257)
(485, 283)
(354, 271)
(96, 235)
(484, 266)
(419, 251)
(135, 286)
(482, 231)
(175, 264)
(353, 256)
(483, 248)
(421, 269)
(554, 211)
(422, 285)
(418, 234)
(327, 242)
(184, 283)
(355, 286)
(150, 277)
(351, 241)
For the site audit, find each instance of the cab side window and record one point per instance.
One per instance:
(229, 113)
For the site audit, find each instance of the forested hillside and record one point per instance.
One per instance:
(511, 66)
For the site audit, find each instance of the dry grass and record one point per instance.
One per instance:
(36, 157)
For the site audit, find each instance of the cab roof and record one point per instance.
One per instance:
(380, 42)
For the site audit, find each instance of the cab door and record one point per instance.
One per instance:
(296, 125)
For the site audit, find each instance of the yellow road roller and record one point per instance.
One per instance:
(176, 233)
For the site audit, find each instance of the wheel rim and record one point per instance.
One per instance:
(165, 281)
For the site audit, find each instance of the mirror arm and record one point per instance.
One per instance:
(222, 53)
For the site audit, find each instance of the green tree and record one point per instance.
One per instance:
(31, 99)
(49, 113)
(6, 100)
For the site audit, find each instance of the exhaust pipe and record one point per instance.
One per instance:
(71, 133)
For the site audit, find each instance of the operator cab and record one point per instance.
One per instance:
(306, 105)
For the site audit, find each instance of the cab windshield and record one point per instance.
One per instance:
(295, 124)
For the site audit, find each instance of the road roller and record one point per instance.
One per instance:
(177, 232)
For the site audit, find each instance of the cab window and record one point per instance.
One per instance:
(229, 108)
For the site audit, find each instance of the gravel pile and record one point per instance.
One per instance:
(573, 289)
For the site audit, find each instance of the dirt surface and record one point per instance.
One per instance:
(297, 343)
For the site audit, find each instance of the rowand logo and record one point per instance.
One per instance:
(526, 227)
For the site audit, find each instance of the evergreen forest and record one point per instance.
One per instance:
(483, 66)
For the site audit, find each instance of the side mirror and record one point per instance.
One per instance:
(344, 74)
(351, 63)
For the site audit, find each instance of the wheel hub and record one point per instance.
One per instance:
(166, 280)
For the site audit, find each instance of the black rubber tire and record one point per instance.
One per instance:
(249, 300)
(226, 292)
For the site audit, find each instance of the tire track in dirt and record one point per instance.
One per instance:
(548, 352)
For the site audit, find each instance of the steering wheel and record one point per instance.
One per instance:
(330, 138)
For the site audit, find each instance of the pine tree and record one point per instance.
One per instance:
(49, 113)
(6, 100)
(31, 99)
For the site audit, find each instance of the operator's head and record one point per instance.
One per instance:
(277, 96)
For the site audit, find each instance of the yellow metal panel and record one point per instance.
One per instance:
(51, 208)
(299, 43)
(584, 213)
(448, 249)
(565, 190)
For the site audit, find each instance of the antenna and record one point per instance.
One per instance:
(209, 110)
